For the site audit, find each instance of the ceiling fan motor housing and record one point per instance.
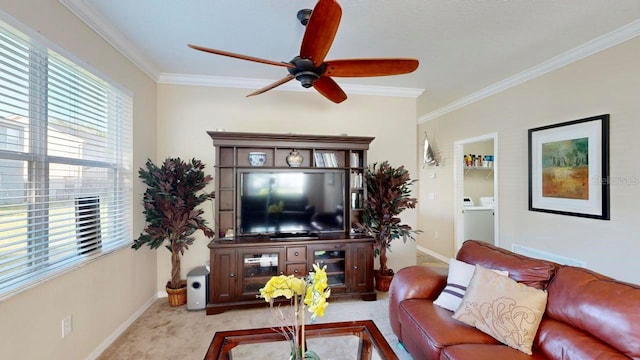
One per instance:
(303, 16)
(305, 71)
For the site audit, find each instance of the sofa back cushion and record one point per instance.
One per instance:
(529, 271)
(606, 309)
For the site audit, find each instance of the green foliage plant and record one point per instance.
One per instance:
(388, 195)
(174, 191)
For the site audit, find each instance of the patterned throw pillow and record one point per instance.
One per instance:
(503, 308)
(460, 274)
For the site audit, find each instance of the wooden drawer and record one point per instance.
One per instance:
(299, 270)
(295, 254)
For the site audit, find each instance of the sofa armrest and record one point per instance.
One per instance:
(414, 282)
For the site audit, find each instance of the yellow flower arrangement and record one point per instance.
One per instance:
(312, 292)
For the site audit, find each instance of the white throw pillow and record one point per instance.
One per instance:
(460, 274)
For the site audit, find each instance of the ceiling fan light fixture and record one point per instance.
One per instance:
(307, 78)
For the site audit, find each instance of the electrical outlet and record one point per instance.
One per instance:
(67, 326)
(436, 235)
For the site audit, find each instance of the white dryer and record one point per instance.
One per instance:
(478, 220)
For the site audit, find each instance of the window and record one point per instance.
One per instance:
(65, 173)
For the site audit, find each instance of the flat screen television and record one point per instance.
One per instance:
(295, 203)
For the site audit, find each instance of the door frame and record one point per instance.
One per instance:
(458, 190)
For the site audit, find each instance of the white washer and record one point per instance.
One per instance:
(478, 220)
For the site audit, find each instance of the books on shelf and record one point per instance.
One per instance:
(356, 180)
(356, 200)
(355, 159)
(319, 159)
(326, 159)
(334, 160)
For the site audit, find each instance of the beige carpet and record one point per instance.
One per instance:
(163, 332)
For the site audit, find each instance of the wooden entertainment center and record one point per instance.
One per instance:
(252, 247)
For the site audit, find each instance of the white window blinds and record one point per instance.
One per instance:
(65, 172)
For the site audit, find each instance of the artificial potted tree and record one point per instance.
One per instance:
(388, 195)
(174, 191)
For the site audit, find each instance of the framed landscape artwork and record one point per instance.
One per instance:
(569, 168)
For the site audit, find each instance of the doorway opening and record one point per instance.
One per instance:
(480, 190)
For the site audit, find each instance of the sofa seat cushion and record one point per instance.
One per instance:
(531, 272)
(486, 352)
(559, 341)
(606, 309)
(426, 324)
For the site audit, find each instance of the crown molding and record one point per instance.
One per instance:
(248, 83)
(85, 12)
(594, 46)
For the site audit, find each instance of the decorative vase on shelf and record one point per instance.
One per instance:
(294, 159)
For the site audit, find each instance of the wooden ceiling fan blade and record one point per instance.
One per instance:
(321, 30)
(330, 89)
(242, 57)
(272, 85)
(370, 67)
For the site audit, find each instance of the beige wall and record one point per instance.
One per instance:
(185, 113)
(102, 295)
(607, 82)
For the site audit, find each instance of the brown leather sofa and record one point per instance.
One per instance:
(588, 315)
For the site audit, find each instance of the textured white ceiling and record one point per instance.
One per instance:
(463, 46)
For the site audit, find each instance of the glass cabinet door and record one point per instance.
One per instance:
(334, 257)
(258, 266)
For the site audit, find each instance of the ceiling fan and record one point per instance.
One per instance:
(310, 68)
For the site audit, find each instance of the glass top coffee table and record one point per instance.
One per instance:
(360, 340)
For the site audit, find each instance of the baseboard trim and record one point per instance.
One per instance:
(121, 329)
(433, 253)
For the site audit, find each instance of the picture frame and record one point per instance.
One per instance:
(569, 168)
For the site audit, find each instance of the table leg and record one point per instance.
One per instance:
(364, 349)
